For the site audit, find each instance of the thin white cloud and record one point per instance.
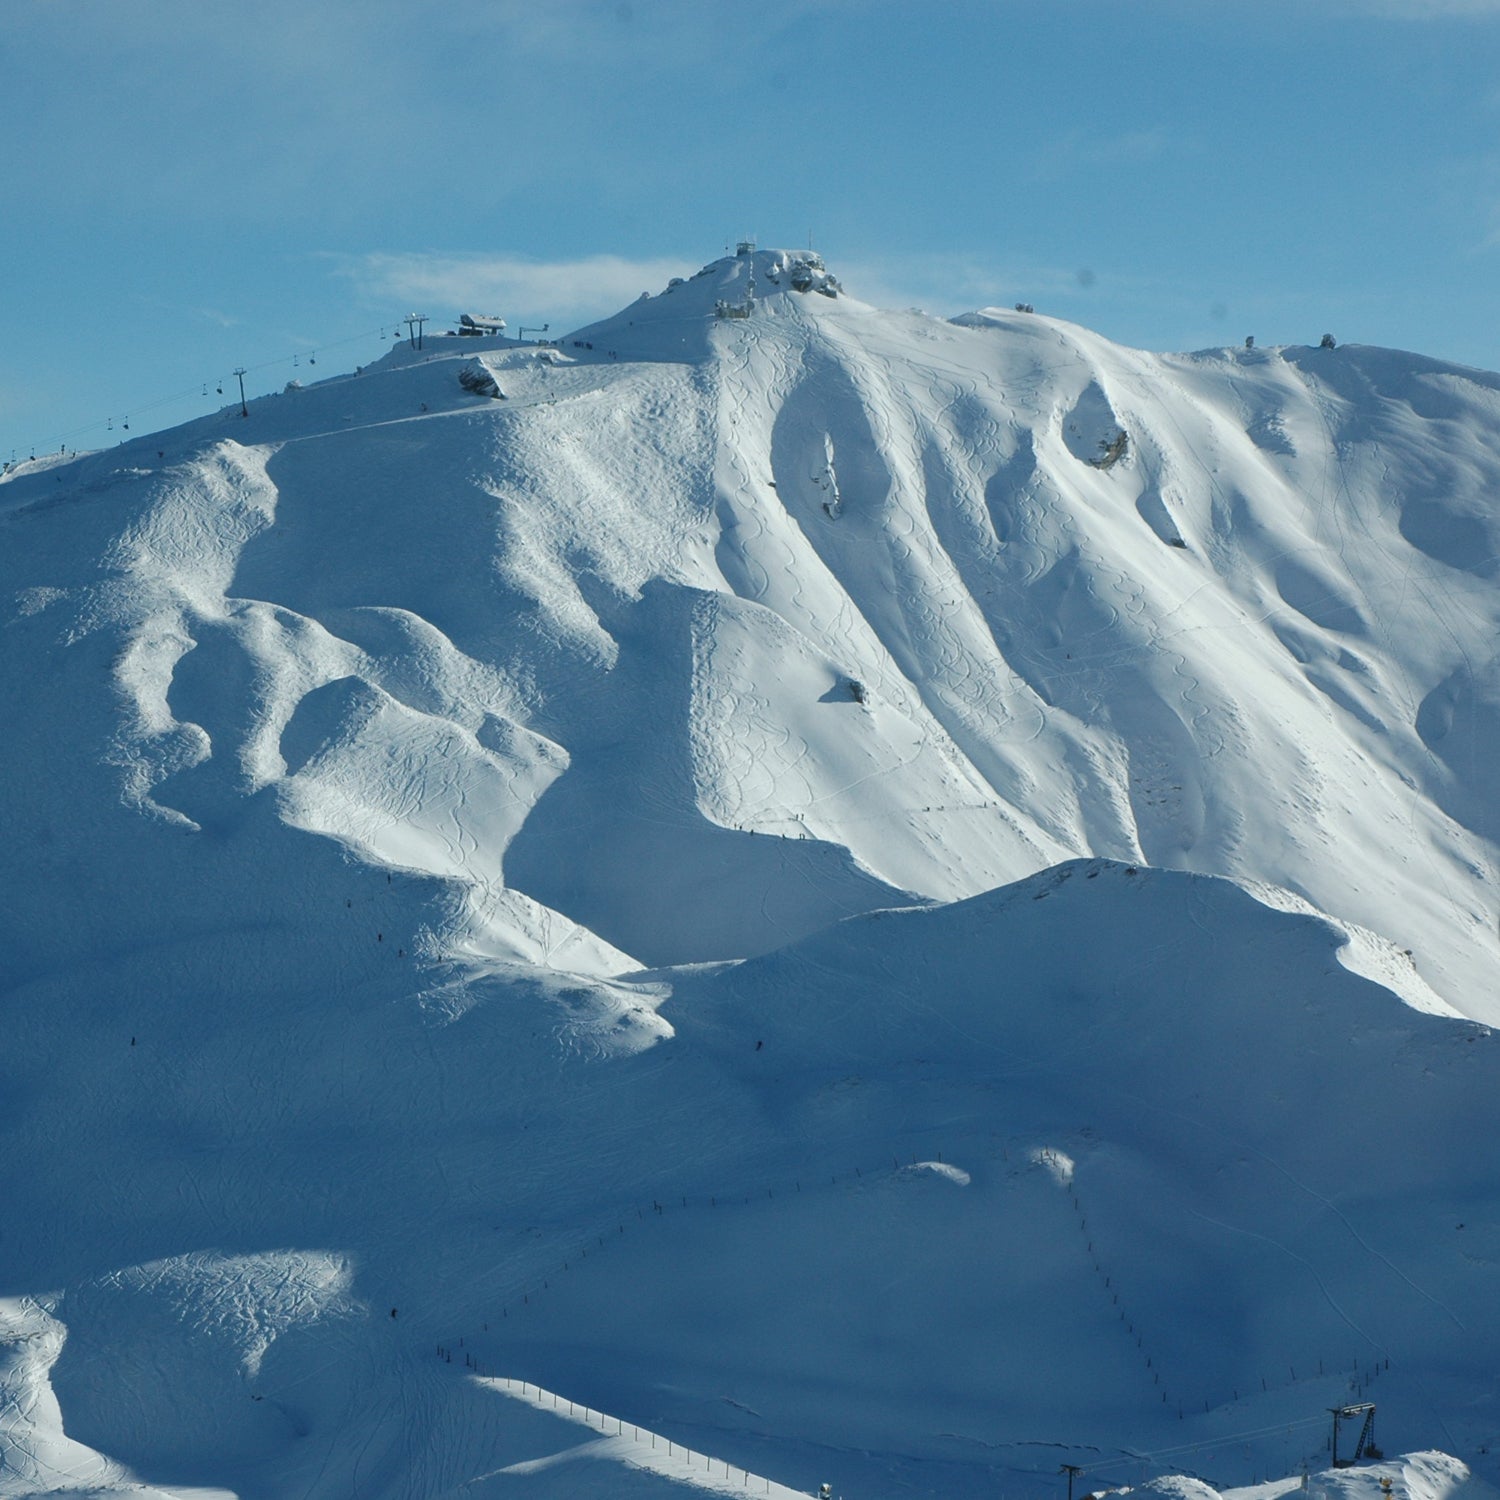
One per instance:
(1427, 10)
(945, 283)
(1394, 10)
(1389, 10)
(569, 292)
(1078, 150)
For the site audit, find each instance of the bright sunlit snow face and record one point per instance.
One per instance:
(856, 893)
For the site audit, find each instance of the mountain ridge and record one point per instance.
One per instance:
(1047, 608)
(737, 752)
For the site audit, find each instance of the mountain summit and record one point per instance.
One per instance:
(466, 808)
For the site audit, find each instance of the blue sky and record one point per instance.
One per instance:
(187, 187)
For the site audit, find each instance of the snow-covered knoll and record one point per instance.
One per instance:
(897, 902)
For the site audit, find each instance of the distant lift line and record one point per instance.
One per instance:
(199, 388)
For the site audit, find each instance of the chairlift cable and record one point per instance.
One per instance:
(190, 394)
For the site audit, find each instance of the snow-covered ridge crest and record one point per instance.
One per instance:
(1363, 952)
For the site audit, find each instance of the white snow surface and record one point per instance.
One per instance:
(780, 881)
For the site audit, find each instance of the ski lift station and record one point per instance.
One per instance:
(480, 325)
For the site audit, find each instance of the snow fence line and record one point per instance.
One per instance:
(1357, 1375)
(659, 1208)
(640, 1447)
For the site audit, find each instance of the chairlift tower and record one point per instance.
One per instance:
(1364, 1446)
(240, 375)
(414, 322)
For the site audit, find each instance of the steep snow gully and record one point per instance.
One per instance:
(879, 899)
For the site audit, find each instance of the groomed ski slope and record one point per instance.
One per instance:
(432, 825)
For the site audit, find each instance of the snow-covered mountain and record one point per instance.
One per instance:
(857, 892)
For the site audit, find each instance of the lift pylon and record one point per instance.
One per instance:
(1364, 1446)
